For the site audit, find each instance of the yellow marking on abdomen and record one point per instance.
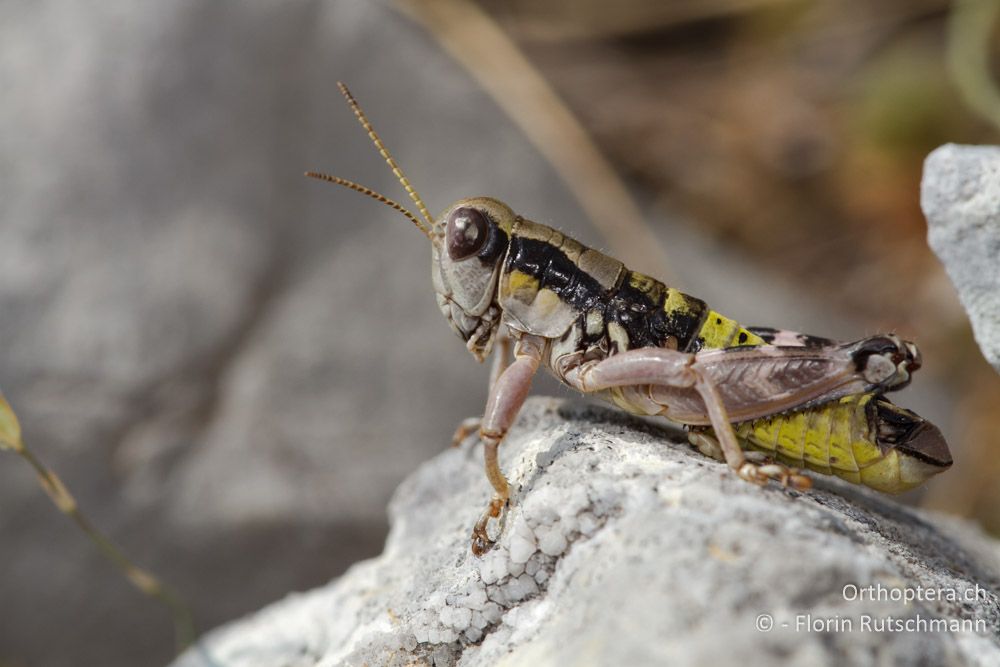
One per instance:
(832, 439)
(791, 437)
(720, 331)
(816, 440)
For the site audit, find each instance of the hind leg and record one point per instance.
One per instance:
(682, 373)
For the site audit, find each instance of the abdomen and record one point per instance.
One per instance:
(864, 439)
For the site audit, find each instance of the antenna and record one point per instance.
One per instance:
(365, 123)
(374, 195)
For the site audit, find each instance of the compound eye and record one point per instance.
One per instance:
(467, 232)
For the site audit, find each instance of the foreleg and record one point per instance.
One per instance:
(507, 395)
(501, 360)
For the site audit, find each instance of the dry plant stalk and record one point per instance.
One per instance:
(474, 39)
(146, 583)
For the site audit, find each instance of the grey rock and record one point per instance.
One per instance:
(232, 366)
(960, 195)
(214, 351)
(625, 547)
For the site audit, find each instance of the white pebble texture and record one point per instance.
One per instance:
(960, 196)
(625, 547)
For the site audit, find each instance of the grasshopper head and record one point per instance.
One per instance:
(470, 240)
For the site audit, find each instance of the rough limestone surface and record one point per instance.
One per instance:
(625, 547)
(960, 195)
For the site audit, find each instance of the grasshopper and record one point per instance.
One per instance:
(765, 401)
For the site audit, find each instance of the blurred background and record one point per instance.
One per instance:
(232, 367)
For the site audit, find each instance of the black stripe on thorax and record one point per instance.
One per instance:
(555, 271)
(640, 313)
